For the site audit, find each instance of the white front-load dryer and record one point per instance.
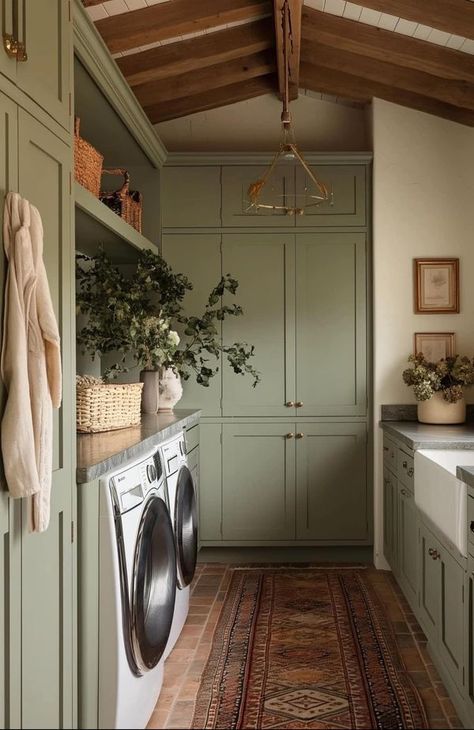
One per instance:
(137, 592)
(183, 511)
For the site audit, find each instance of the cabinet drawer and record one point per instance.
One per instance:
(389, 455)
(470, 522)
(406, 469)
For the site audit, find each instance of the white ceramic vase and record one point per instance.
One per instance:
(171, 390)
(438, 410)
(151, 390)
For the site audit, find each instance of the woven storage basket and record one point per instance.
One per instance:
(125, 202)
(108, 406)
(87, 162)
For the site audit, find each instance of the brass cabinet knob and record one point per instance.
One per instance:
(434, 554)
(13, 48)
(290, 404)
(290, 435)
(299, 404)
(404, 492)
(410, 472)
(299, 435)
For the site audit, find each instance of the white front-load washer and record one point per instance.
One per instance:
(137, 592)
(183, 511)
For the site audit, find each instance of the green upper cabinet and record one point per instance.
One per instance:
(235, 184)
(264, 266)
(199, 257)
(258, 482)
(7, 63)
(331, 468)
(331, 328)
(47, 559)
(191, 196)
(348, 186)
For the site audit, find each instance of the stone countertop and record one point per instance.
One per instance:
(100, 453)
(423, 436)
(466, 475)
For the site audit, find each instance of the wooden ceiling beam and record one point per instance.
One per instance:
(384, 45)
(295, 9)
(449, 91)
(179, 17)
(212, 99)
(452, 16)
(350, 86)
(212, 77)
(195, 53)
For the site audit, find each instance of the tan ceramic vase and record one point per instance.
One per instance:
(437, 410)
(171, 390)
(150, 391)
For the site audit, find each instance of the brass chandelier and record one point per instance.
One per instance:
(288, 149)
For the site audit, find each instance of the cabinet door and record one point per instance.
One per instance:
(331, 328)
(191, 197)
(235, 200)
(7, 64)
(264, 266)
(390, 521)
(210, 481)
(47, 558)
(430, 583)
(199, 257)
(348, 206)
(469, 636)
(407, 544)
(451, 626)
(46, 30)
(331, 468)
(258, 482)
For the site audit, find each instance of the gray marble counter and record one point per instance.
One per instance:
(100, 453)
(466, 475)
(423, 436)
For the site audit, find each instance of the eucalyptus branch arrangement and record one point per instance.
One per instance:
(449, 377)
(138, 315)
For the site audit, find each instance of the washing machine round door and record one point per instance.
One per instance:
(154, 584)
(185, 517)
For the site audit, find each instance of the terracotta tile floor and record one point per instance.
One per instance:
(186, 662)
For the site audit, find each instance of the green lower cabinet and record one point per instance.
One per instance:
(332, 496)
(469, 639)
(390, 517)
(258, 490)
(430, 583)
(407, 562)
(210, 482)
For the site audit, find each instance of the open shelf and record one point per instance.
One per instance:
(97, 225)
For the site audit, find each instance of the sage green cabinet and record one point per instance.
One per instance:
(7, 64)
(332, 498)
(191, 196)
(235, 199)
(390, 519)
(210, 481)
(331, 327)
(469, 636)
(197, 256)
(263, 263)
(348, 205)
(407, 563)
(47, 565)
(258, 489)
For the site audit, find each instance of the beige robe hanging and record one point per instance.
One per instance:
(30, 362)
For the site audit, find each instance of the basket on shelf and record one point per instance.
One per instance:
(87, 162)
(106, 406)
(125, 202)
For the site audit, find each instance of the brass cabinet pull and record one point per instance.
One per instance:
(434, 554)
(410, 471)
(404, 464)
(290, 435)
(299, 435)
(404, 492)
(299, 404)
(290, 404)
(385, 448)
(10, 45)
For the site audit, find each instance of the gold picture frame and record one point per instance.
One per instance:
(436, 286)
(435, 346)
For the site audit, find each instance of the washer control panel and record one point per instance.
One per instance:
(174, 454)
(131, 486)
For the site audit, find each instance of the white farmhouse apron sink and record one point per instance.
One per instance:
(440, 495)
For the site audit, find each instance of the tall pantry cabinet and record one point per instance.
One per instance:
(37, 570)
(284, 463)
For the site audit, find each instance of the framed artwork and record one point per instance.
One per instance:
(436, 286)
(435, 345)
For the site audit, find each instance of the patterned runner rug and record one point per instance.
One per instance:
(300, 648)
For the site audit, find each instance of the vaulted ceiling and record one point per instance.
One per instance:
(185, 56)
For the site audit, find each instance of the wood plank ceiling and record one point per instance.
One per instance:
(184, 56)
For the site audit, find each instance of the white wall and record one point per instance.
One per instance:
(254, 126)
(423, 205)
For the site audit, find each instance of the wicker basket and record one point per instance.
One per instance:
(125, 202)
(87, 162)
(108, 406)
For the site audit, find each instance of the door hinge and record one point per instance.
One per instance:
(72, 531)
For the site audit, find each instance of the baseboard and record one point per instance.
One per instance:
(344, 554)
